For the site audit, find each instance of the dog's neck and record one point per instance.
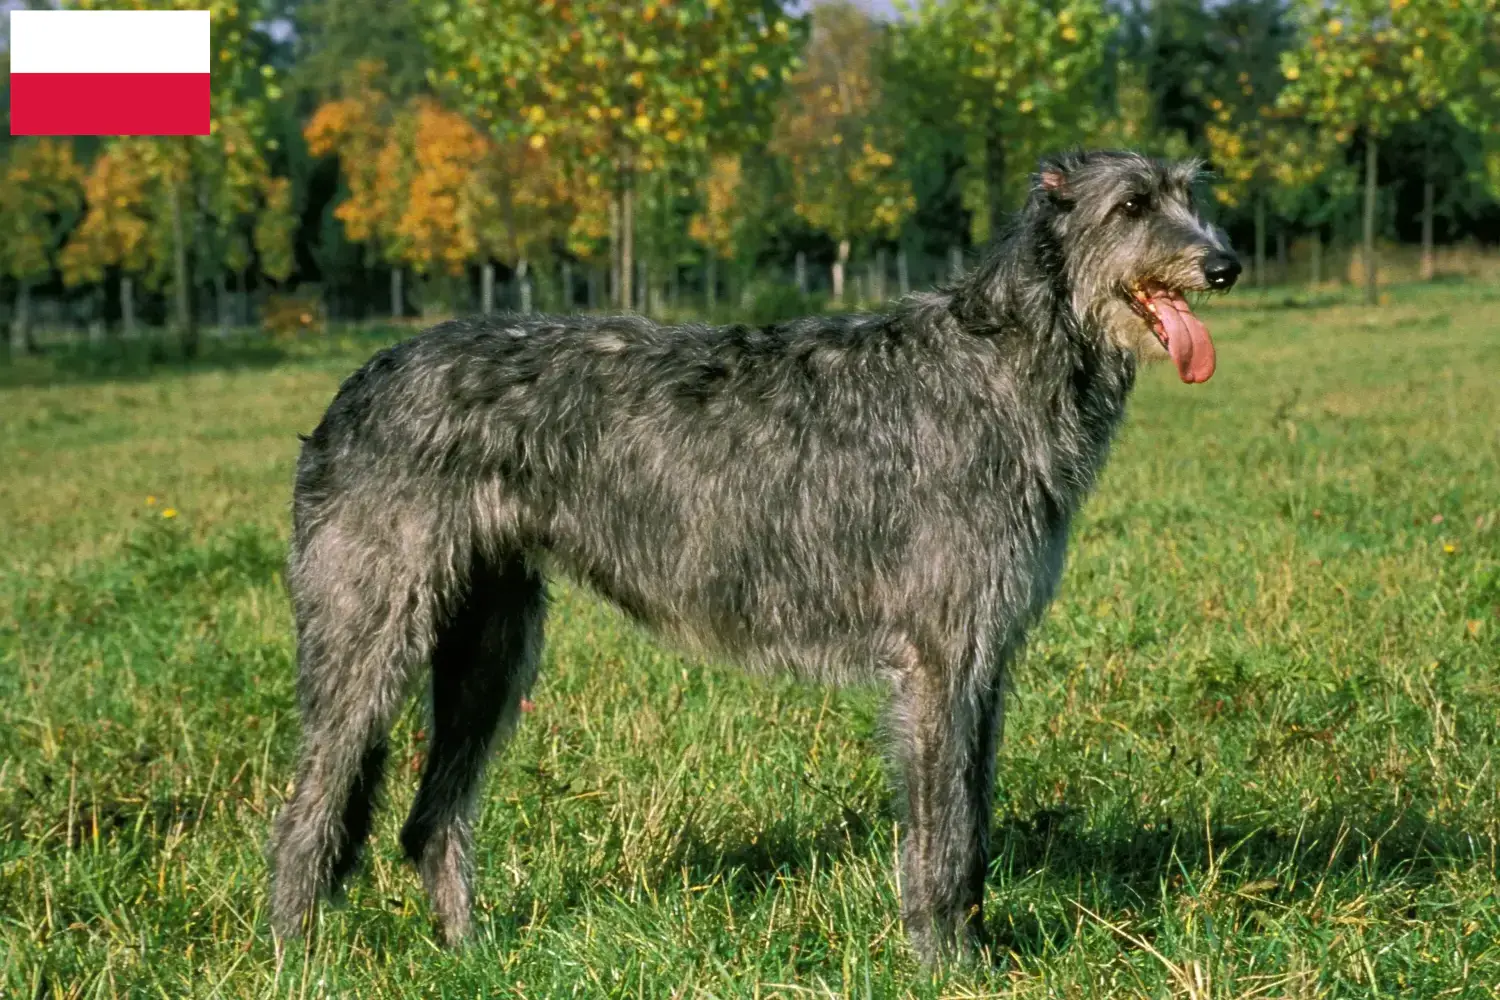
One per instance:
(1021, 295)
(1019, 301)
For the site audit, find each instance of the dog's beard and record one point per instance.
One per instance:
(1127, 332)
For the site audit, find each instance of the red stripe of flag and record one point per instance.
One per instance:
(109, 104)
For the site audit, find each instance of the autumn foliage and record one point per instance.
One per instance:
(431, 190)
(714, 225)
(42, 186)
(694, 132)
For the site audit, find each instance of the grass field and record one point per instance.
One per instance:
(1251, 752)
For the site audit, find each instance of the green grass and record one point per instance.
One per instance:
(1250, 753)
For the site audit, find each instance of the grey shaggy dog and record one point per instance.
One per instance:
(854, 498)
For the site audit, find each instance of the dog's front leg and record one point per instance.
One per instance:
(946, 734)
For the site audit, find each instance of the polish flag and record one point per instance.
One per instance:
(109, 72)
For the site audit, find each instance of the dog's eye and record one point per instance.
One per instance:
(1135, 206)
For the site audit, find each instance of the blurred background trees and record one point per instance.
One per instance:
(839, 144)
(678, 155)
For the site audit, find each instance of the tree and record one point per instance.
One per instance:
(275, 230)
(518, 202)
(358, 128)
(239, 206)
(333, 35)
(443, 152)
(1264, 158)
(1019, 78)
(157, 205)
(844, 175)
(716, 226)
(39, 199)
(203, 194)
(1474, 103)
(1136, 121)
(430, 191)
(614, 90)
(1366, 66)
(1235, 90)
(1175, 45)
(116, 229)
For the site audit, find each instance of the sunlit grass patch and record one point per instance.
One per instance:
(1249, 752)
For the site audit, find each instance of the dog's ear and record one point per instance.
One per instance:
(1052, 182)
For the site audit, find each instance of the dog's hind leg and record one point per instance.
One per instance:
(364, 623)
(946, 732)
(483, 664)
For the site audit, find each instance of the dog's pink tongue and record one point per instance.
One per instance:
(1187, 337)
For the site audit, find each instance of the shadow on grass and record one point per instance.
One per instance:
(116, 360)
(134, 360)
(1123, 869)
(1134, 870)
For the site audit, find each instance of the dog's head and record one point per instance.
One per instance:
(1133, 245)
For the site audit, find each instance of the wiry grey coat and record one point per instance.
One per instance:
(858, 497)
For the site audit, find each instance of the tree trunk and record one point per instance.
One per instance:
(903, 275)
(1317, 257)
(838, 272)
(672, 287)
(1281, 255)
(487, 287)
(881, 267)
(566, 305)
(523, 280)
(799, 271)
(614, 252)
(221, 297)
(187, 326)
(994, 180)
(1260, 241)
(127, 305)
(593, 289)
(955, 263)
(20, 323)
(627, 242)
(397, 303)
(711, 285)
(1372, 292)
(1428, 193)
(242, 298)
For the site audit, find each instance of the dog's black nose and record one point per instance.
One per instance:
(1220, 270)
